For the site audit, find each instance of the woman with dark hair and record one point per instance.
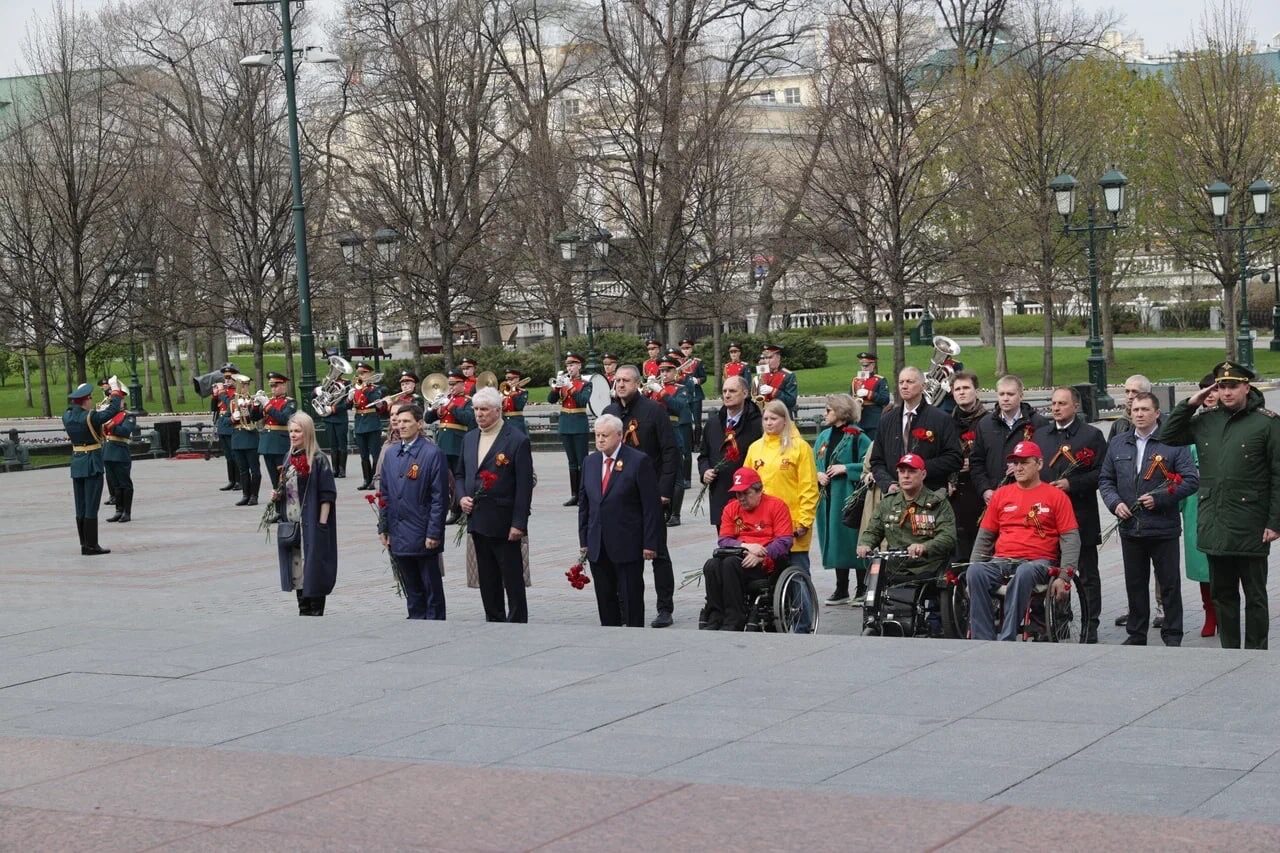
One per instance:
(306, 533)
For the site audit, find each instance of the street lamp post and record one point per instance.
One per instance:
(1113, 185)
(141, 276)
(1275, 306)
(387, 240)
(1219, 193)
(289, 66)
(595, 241)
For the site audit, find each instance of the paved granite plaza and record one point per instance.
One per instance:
(168, 695)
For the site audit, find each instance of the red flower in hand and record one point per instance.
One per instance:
(732, 454)
(968, 437)
(1174, 480)
(1085, 457)
(577, 577)
(488, 479)
(300, 463)
(922, 434)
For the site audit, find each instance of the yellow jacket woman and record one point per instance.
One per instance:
(786, 466)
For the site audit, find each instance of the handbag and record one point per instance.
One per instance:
(851, 512)
(288, 533)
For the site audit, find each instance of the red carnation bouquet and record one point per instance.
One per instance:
(1172, 480)
(730, 459)
(378, 504)
(487, 481)
(577, 575)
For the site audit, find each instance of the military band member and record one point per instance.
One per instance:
(119, 462)
(514, 399)
(336, 423)
(872, 391)
(610, 363)
(651, 364)
(455, 418)
(224, 393)
(244, 446)
(273, 429)
(735, 366)
(777, 383)
(84, 427)
(468, 368)
(572, 394)
(368, 422)
(675, 397)
(408, 393)
(104, 386)
(695, 372)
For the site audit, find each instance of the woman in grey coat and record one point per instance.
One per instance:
(306, 498)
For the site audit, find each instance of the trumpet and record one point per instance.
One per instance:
(653, 386)
(561, 380)
(508, 389)
(756, 396)
(260, 398)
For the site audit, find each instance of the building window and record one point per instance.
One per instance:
(571, 106)
(792, 95)
(769, 97)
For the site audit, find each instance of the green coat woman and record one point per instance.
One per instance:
(1197, 562)
(839, 445)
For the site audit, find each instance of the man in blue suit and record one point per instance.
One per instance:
(415, 484)
(496, 489)
(620, 488)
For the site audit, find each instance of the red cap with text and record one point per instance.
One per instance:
(1025, 450)
(911, 460)
(743, 479)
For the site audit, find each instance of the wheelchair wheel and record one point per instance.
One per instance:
(795, 603)
(1058, 624)
(955, 609)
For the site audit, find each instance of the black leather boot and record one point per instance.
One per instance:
(677, 503)
(575, 480)
(91, 547)
(127, 514)
(255, 485)
(119, 504)
(233, 477)
(244, 489)
(304, 604)
(367, 469)
(317, 605)
(80, 532)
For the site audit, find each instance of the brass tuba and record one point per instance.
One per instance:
(942, 367)
(332, 389)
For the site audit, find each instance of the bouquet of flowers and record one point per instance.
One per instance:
(378, 504)
(1082, 458)
(1172, 480)
(487, 480)
(730, 458)
(578, 577)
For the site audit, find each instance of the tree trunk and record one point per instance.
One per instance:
(415, 338)
(675, 331)
(193, 355)
(1229, 319)
(218, 343)
(26, 379)
(66, 357)
(899, 335)
(175, 364)
(288, 352)
(82, 368)
(873, 334)
(997, 337)
(166, 375)
(987, 320)
(42, 360)
(259, 366)
(1046, 376)
(571, 324)
(146, 372)
(557, 345)
(715, 349)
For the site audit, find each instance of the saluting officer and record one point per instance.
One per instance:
(514, 399)
(84, 427)
(220, 406)
(651, 365)
(336, 422)
(468, 368)
(455, 417)
(273, 431)
(1239, 447)
(119, 462)
(572, 393)
(872, 391)
(695, 373)
(735, 366)
(368, 422)
(675, 397)
(778, 383)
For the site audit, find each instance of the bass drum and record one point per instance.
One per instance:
(601, 395)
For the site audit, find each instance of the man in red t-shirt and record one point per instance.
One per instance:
(1028, 527)
(761, 525)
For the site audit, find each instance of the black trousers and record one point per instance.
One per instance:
(249, 469)
(88, 495)
(1089, 589)
(229, 456)
(1226, 577)
(119, 475)
(369, 443)
(575, 449)
(619, 592)
(500, 568)
(423, 585)
(664, 575)
(726, 582)
(1140, 557)
(273, 461)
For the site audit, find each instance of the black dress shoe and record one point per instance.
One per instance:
(253, 502)
(229, 487)
(663, 620)
(1158, 622)
(1132, 641)
(1121, 620)
(364, 487)
(673, 521)
(573, 501)
(244, 501)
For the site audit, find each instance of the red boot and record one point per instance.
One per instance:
(1210, 615)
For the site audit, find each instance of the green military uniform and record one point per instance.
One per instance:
(273, 429)
(676, 397)
(84, 428)
(572, 424)
(116, 434)
(1239, 497)
(927, 519)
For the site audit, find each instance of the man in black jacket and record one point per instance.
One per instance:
(996, 436)
(738, 416)
(647, 428)
(914, 426)
(1074, 452)
(966, 501)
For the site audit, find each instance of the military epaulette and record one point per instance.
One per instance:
(1268, 412)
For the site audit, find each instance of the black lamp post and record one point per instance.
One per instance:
(595, 240)
(1113, 196)
(350, 243)
(141, 277)
(386, 240)
(1220, 201)
(1275, 307)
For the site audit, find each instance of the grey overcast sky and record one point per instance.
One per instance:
(1162, 23)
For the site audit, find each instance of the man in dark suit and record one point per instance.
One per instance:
(414, 480)
(738, 417)
(1073, 452)
(496, 489)
(647, 428)
(619, 522)
(914, 426)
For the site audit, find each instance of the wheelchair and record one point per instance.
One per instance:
(785, 602)
(1044, 622)
(899, 603)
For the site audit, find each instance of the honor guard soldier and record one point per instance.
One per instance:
(610, 363)
(651, 365)
(119, 462)
(675, 397)
(220, 401)
(336, 423)
(872, 391)
(368, 421)
(455, 417)
(572, 393)
(735, 366)
(695, 372)
(777, 383)
(244, 445)
(408, 393)
(105, 386)
(1239, 447)
(468, 368)
(84, 427)
(514, 398)
(273, 429)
